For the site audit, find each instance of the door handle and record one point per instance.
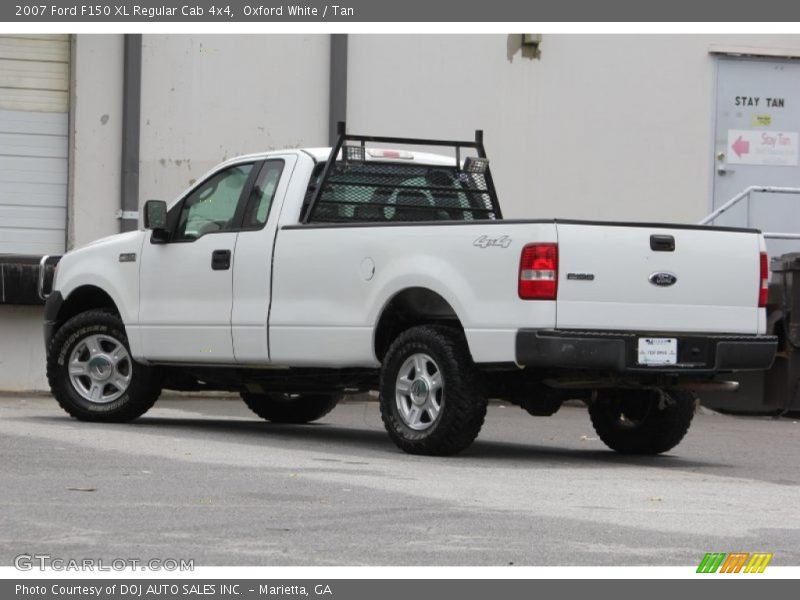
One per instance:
(221, 260)
(722, 169)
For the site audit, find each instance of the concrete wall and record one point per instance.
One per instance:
(96, 137)
(602, 126)
(206, 98)
(94, 187)
(21, 349)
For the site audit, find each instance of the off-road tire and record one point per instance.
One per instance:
(463, 401)
(142, 391)
(640, 422)
(289, 408)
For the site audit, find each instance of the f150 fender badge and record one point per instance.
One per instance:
(485, 242)
(663, 278)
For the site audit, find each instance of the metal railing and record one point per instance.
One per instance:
(745, 194)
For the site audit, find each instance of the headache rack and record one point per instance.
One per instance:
(377, 185)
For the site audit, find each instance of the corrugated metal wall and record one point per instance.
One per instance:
(34, 106)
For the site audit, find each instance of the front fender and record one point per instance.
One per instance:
(111, 265)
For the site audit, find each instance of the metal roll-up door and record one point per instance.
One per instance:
(34, 107)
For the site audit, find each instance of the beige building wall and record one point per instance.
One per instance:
(96, 137)
(21, 349)
(206, 98)
(600, 127)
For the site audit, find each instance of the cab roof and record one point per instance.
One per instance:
(424, 158)
(320, 155)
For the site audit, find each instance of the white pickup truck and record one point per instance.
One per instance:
(294, 277)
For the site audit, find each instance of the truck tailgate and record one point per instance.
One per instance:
(625, 278)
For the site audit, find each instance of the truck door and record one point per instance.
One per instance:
(186, 293)
(252, 267)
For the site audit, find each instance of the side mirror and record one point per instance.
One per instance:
(155, 219)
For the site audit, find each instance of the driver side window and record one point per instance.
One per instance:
(212, 205)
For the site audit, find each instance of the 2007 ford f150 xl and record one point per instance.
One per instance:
(293, 277)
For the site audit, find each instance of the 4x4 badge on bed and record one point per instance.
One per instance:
(485, 241)
(662, 278)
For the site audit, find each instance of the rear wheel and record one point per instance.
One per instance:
(291, 408)
(431, 393)
(92, 374)
(642, 421)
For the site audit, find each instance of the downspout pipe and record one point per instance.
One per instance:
(131, 120)
(337, 102)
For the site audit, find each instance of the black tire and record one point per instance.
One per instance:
(291, 408)
(641, 421)
(459, 394)
(143, 387)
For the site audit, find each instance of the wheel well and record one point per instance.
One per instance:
(85, 298)
(411, 307)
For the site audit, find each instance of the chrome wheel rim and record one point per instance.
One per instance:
(100, 368)
(419, 392)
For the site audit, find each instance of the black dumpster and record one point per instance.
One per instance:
(777, 390)
(783, 318)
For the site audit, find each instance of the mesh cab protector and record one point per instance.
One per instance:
(351, 190)
(373, 191)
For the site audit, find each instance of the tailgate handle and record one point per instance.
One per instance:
(662, 243)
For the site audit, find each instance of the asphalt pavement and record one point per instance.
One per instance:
(204, 479)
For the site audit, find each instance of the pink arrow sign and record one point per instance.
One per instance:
(741, 146)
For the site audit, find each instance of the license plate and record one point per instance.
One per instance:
(658, 351)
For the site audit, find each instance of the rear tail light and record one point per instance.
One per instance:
(763, 290)
(538, 272)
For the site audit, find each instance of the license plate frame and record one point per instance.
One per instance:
(657, 351)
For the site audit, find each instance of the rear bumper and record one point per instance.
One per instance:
(617, 351)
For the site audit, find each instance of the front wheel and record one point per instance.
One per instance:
(92, 374)
(642, 421)
(431, 393)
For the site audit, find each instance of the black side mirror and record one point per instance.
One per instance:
(155, 219)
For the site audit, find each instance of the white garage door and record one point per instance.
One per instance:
(34, 101)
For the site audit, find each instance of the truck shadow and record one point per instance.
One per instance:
(336, 439)
(363, 439)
